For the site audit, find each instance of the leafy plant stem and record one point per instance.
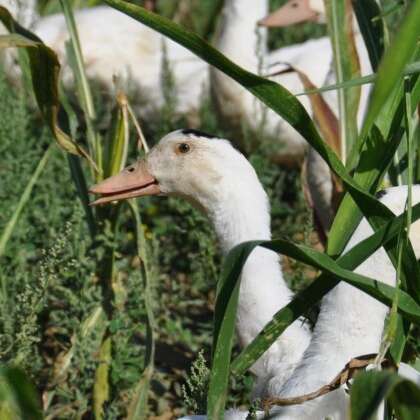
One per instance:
(138, 406)
(8, 230)
(83, 85)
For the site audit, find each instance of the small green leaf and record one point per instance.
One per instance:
(101, 385)
(115, 151)
(347, 67)
(371, 388)
(373, 30)
(18, 395)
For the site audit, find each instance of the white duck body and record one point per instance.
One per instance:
(318, 173)
(222, 183)
(114, 44)
(24, 11)
(350, 324)
(240, 41)
(296, 11)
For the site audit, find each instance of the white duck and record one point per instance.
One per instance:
(218, 179)
(240, 41)
(114, 44)
(350, 324)
(296, 11)
(212, 174)
(24, 11)
(318, 174)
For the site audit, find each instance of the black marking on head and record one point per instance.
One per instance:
(197, 133)
(381, 194)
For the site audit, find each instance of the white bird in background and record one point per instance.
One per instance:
(24, 11)
(239, 40)
(115, 45)
(319, 178)
(297, 11)
(219, 180)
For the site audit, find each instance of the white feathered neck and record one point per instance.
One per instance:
(242, 213)
(238, 37)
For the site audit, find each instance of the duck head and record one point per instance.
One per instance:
(204, 169)
(295, 11)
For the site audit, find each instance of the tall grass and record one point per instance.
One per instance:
(391, 118)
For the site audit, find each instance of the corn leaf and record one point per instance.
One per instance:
(101, 385)
(375, 158)
(45, 69)
(137, 409)
(115, 152)
(347, 67)
(372, 29)
(313, 293)
(371, 388)
(18, 394)
(390, 70)
(76, 62)
(228, 292)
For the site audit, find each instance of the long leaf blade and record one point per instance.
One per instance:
(313, 293)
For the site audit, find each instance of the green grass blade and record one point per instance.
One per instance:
(75, 165)
(410, 282)
(347, 67)
(412, 68)
(137, 409)
(376, 155)
(81, 72)
(313, 293)
(79, 180)
(390, 70)
(373, 30)
(101, 391)
(371, 388)
(272, 94)
(376, 289)
(75, 59)
(224, 329)
(11, 224)
(116, 147)
(18, 393)
(44, 70)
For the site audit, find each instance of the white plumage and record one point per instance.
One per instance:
(115, 45)
(350, 324)
(240, 41)
(221, 182)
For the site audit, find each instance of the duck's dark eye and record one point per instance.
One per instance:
(184, 147)
(295, 5)
(131, 169)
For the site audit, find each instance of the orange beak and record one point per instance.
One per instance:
(294, 11)
(133, 181)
